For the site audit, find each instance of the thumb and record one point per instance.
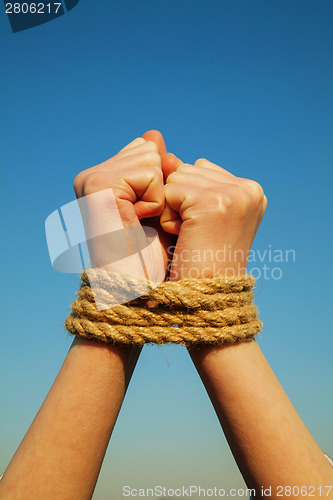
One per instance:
(157, 137)
(170, 163)
(170, 219)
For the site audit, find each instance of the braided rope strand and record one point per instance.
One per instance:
(188, 312)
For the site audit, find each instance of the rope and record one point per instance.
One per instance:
(188, 312)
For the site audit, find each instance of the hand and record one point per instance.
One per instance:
(168, 163)
(136, 179)
(216, 216)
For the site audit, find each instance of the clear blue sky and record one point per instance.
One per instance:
(247, 84)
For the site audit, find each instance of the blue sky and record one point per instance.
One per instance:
(246, 84)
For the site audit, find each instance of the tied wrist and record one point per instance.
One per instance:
(190, 312)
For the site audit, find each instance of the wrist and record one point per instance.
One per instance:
(97, 353)
(207, 263)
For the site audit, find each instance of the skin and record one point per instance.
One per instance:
(61, 454)
(62, 462)
(204, 200)
(208, 207)
(268, 439)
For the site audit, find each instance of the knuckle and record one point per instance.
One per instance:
(154, 174)
(153, 158)
(200, 161)
(184, 168)
(256, 191)
(139, 140)
(160, 202)
(240, 200)
(78, 182)
(91, 184)
(167, 190)
(157, 172)
(264, 205)
(172, 178)
(152, 146)
(199, 197)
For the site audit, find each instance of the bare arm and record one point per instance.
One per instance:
(211, 209)
(62, 452)
(269, 441)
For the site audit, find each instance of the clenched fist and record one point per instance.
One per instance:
(130, 196)
(215, 215)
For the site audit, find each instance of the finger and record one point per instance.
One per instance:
(264, 205)
(170, 163)
(136, 142)
(170, 220)
(157, 137)
(207, 177)
(262, 213)
(195, 179)
(178, 197)
(145, 147)
(253, 188)
(151, 200)
(148, 159)
(202, 162)
(176, 194)
(211, 174)
(263, 210)
(135, 145)
(203, 177)
(214, 174)
(139, 192)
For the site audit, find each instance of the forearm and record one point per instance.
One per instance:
(268, 439)
(62, 452)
